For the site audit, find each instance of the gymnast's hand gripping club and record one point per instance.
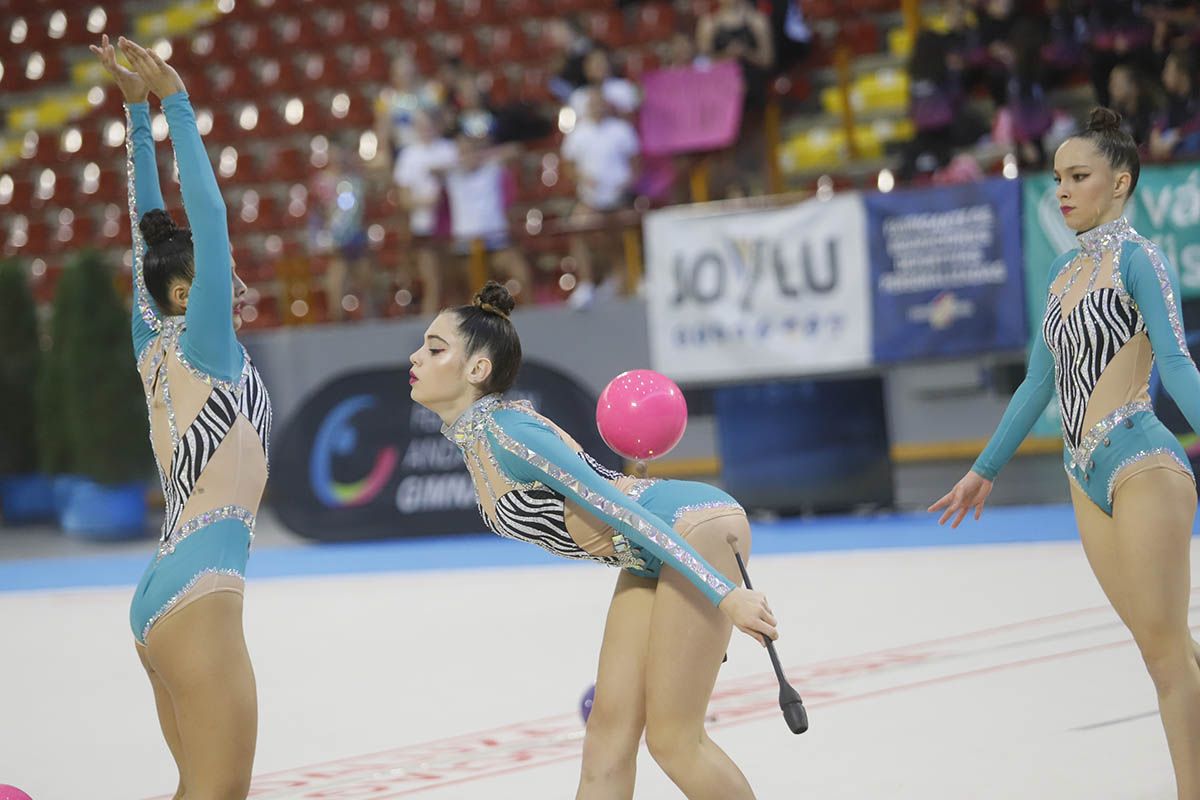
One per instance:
(789, 699)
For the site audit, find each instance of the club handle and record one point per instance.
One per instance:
(742, 567)
(790, 703)
(770, 645)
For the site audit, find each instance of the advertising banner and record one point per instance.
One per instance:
(735, 295)
(361, 460)
(947, 272)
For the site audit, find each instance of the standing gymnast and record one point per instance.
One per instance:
(210, 419)
(1112, 309)
(667, 629)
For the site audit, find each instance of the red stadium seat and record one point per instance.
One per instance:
(607, 27)
(508, 45)
(388, 21)
(654, 22)
(475, 13)
(517, 10)
(431, 15)
(367, 65)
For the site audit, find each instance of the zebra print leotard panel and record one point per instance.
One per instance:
(537, 483)
(195, 446)
(1083, 343)
(538, 516)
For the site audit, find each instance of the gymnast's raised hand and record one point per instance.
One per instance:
(969, 493)
(130, 83)
(159, 76)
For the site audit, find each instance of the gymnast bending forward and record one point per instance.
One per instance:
(673, 608)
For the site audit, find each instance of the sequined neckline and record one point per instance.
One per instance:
(459, 431)
(1108, 236)
(170, 325)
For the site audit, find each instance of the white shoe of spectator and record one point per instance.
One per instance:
(608, 290)
(582, 298)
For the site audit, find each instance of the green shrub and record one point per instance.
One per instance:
(20, 357)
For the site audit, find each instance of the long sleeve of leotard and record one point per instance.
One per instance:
(209, 342)
(1154, 287)
(529, 450)
(1028, 401)
(144, 195)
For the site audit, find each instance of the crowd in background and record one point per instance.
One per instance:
(983, 74)
(1138, 58)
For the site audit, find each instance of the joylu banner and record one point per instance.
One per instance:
(765, 293)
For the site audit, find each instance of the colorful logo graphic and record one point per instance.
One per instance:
(338, 437)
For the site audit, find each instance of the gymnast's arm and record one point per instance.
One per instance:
(1154, 286)
(210, 342)
(531, 452)
(1028, 401)
(145, 195)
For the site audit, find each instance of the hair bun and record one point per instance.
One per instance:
(157, 227)
(495, 299)
(1104, 120)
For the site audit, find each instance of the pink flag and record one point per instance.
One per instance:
(691, 109)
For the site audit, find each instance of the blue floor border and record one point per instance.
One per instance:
(820, 534)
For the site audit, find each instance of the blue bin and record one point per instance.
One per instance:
(26, 499)
(63, 486)
(105, 513)
(805, 446)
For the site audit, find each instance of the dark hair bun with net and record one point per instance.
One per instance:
(495, 299)
(1104, 120)
(157, 227)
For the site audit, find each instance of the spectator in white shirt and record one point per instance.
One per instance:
(478, 209)
(418, 176)
(621, 95)
(602, 152)
(395, 109)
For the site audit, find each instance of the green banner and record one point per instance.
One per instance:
(1165, 209)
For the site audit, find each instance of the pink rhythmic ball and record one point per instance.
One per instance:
(12, 793)
(641, 414)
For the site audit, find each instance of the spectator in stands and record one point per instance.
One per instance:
(441, 87)
(1119, 34)
(1176, 25)
(407, 93)
(1065, 48)
(602, 152)
(936, 105)
(738, 30)
(336, 228)
(620, 94)
(1132, 98)
(1026, 101)
(475, 117)
(991, 57)
(680, 51)
(1176, 132)
(793, 35)
(417, 175)
(574, 45)
(475, 183)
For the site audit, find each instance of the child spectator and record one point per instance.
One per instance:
(478, 208)
(1177, 130)
(602, 151)
(417, 175)
(336, 227)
